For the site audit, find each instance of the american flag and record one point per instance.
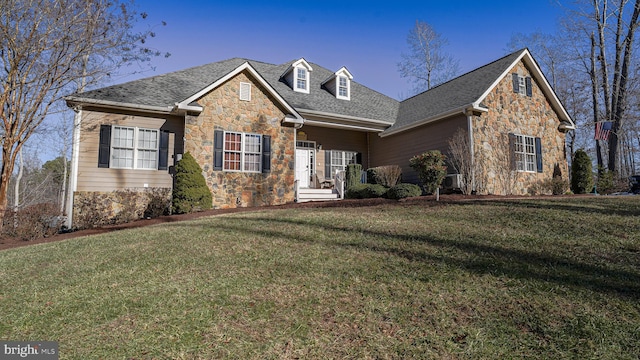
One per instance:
(603, 128)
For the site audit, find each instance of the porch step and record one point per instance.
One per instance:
(305, 195)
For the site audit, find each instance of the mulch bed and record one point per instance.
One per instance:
(8, 243)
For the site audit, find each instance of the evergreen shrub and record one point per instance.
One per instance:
(353, 175)
(581, 173)
(431, 169)
(190, 192)
(403, 190)
(366, 191)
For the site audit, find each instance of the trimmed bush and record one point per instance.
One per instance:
(190, 192)
(366, 191)
(430, 168)
(402, 191)
(353, 175)
(387, 175)
(581, 173)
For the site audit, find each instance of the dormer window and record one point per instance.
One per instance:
(298, 76)
(339, 84)
(301, 80)
(343, 87)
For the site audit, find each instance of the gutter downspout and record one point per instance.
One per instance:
(73, 177)
(471, 149)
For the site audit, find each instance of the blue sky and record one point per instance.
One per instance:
(367, 37)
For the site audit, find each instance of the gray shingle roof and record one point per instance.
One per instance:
(461, 91)
(168, 89)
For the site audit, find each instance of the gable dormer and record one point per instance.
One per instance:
(339, 84)
(298, 76)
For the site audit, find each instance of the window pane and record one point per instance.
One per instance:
(233, 142)
(232, 161)
(122, 158)
(123, 137)
(147, 139)
(301, 82)
(252, 162)
(524, 151)
(147, 159)
(252, 143)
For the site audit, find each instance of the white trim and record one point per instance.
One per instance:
(73, 177)
(244, 66)
(296, 78)
(347, 86)
(244, 92)
(461, 110)
(539, 76)
(135, 148)
(471, 149)
(326, 119)
(74, 100)
(242, 151)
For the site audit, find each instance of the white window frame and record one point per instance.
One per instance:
(522, 85)
(250, 153)
(525, 153)
(298, 79)
(134, 147)
(340, 87)
(245, 91)
(340, 159)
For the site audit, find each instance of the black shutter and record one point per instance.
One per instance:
(516, 83)
(218, 146)
(104, 149)
(527, 82)
(327, 165)
(163, 151)
(359, 158)
(266, 154)
(539, 154)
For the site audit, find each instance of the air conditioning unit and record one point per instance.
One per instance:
(452, 181)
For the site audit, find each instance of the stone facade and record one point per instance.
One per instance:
(512, 113)
(95, 208)
(223, 110)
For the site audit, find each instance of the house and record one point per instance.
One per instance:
(261, 132)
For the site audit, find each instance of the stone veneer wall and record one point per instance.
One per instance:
(223, 110)
(514, 113)
(95, 208)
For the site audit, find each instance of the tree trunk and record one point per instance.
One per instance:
(594, 97)
(16, 195)
(621, 96)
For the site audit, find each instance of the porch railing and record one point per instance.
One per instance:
(339, 183)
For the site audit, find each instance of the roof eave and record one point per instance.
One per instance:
(326, 119)
(75, 100)
(470, 108)
(186, 103)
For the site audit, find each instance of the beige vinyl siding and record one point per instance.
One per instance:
(399, 148)
(92, 178)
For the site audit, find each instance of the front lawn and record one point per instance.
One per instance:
(554, 278)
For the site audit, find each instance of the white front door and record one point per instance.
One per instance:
(303, 168)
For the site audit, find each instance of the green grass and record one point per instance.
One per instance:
(543, 279)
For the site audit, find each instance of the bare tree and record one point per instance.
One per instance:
(426, 63)
(47, 48)
(613, 45)
(461, 159)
